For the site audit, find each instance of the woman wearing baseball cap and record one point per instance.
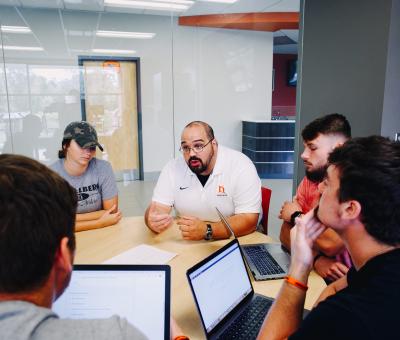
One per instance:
(92, 178)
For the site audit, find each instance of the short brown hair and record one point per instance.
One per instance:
(333, 123)
(37, 209)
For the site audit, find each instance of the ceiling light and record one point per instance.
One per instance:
(221, 1)
(163, 5)
(22, 48)
(15, 29)
(110, 51)
(120, 34)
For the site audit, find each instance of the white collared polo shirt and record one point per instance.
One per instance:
(233, 187)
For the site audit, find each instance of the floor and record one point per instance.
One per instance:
(134, 197)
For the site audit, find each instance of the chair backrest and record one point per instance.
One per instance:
(265, 199)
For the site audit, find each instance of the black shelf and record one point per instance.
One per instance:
(270, 145)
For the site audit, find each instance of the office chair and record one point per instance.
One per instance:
(265, 200)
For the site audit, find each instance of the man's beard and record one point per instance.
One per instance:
(316, 175)
(202, 166)
(197, 169)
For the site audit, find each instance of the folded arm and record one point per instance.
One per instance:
(329, 243)
(109, 215)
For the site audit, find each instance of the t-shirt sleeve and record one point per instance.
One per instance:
(107, 181)
(164, 190)
(247, 195)
(301, 195)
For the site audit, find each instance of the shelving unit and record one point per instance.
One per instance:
(270, 145)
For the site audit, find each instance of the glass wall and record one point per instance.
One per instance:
(221, 76)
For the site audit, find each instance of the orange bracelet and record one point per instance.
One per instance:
(181, 337)
(296, 283)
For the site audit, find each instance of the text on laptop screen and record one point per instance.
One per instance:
(138, 296)
(220, 285)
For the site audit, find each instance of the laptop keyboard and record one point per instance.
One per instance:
(248, 323)
(262, 259)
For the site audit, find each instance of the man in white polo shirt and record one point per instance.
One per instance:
(208, 176)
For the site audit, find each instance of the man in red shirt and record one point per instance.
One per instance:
(320, 137)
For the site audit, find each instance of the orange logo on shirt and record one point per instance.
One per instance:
(221, 189)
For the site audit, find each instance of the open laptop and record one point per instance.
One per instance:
(225, 297)
(139, 293)
(266, 261)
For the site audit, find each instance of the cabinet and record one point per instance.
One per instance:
(270, 145)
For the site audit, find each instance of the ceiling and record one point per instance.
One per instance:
(285, 41)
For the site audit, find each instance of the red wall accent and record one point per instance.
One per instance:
(283, 96)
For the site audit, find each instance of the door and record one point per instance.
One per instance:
(110, 100)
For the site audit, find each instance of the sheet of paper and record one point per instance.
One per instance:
(142, 254)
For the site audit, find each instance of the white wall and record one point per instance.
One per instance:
(220, 76)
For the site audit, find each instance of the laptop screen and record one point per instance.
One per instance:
(219, 284)
(141, 294)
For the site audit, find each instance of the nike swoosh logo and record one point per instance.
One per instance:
(183, 188)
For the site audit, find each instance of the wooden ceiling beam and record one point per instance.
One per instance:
(266, 21)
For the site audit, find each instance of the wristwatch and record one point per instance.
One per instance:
(209, 233)
(294, 215)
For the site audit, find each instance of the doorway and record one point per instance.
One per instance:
(110, 101)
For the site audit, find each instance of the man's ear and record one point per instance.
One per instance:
(337, 144)
(64, 257)
(350, 210)
(62, 268)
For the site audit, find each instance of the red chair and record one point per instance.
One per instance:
(265, 199)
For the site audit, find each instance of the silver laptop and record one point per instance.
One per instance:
(224, 296)
(266, 261)
(139, 293)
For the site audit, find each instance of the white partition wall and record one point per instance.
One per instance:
(218, 75)
(222, 77)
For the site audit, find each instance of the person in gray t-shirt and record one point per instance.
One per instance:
(37, 243)
(92, 178)
(22, 320)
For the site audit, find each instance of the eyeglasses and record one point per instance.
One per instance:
(197, 148)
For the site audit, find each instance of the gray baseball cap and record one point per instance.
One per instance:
(83, 133)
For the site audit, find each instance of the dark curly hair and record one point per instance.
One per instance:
(369, 171)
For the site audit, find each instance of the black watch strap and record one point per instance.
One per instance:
(294, 215)
(209, 232)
